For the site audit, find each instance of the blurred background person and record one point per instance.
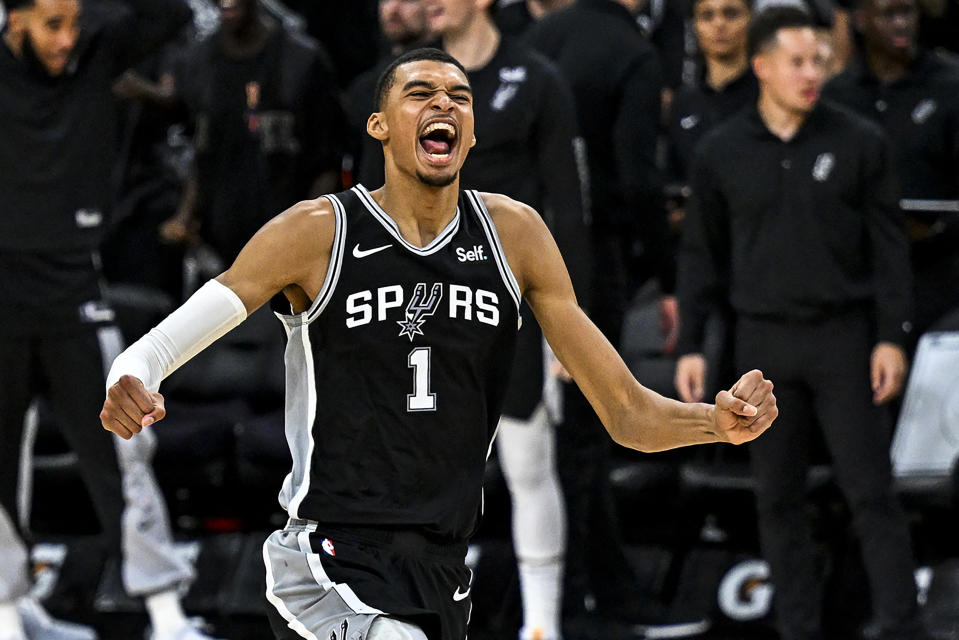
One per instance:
(526, 147)
(913, 94)
(60, 133)
(724, 86)
(268, 127)
(793, 219)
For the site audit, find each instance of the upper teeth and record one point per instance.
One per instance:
(437, 126)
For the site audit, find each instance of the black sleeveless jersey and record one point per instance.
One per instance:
(396, 373)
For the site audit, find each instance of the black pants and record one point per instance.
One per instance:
(67, 366)
(821, 373)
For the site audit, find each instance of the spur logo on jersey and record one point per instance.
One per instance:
(419, 309)
(386, 303)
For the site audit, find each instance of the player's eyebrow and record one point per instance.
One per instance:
(459, 88)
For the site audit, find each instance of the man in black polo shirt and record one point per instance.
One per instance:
(59, 131)
(913, 95)
(793, 219)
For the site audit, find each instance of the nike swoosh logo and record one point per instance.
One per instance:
(362, 253)
(457, 596)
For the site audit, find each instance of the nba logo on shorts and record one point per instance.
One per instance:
(327, 546)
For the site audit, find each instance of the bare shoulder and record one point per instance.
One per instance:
(308, 216)
(290, 252)
(510, 216)
(523, 234)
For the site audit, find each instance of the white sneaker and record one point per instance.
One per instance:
(40, 625)
(192, 631)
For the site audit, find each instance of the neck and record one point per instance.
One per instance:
(420, 211)
(781, 121)
(475, 44)
(720, 71)
(886, 68)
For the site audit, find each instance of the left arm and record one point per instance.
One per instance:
(892, 275)
(633, 415)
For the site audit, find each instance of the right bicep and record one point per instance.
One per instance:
(290, 251)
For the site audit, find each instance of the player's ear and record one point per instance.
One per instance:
(473, 142)
(376, 126)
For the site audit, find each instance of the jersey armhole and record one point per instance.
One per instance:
(332, 271)
(499, 255)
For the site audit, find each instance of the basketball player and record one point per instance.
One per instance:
(401, 319)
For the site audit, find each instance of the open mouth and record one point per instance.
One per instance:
(438, 139)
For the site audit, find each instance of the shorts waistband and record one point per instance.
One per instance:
(398, 539)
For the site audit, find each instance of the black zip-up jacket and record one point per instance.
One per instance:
(617, 82)
(796, 230)
(59, 135)
(920, 115)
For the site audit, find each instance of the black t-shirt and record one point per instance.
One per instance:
(266, 126)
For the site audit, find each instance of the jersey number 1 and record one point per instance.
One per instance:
(421, 399)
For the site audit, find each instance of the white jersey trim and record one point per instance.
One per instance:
(498, 253)
(323, 579)
(304, 488)
(393, 229)
(334, 269)
(278, 604)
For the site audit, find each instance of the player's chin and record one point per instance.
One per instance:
(437, 178)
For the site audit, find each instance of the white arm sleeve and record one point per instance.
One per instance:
(210, 313)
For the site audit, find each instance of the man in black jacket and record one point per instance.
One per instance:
(816, 270)
(913, 95)
(59, 135)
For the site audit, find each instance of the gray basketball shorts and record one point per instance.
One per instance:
(331, 583)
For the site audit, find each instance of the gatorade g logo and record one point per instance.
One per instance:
(744, 592)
